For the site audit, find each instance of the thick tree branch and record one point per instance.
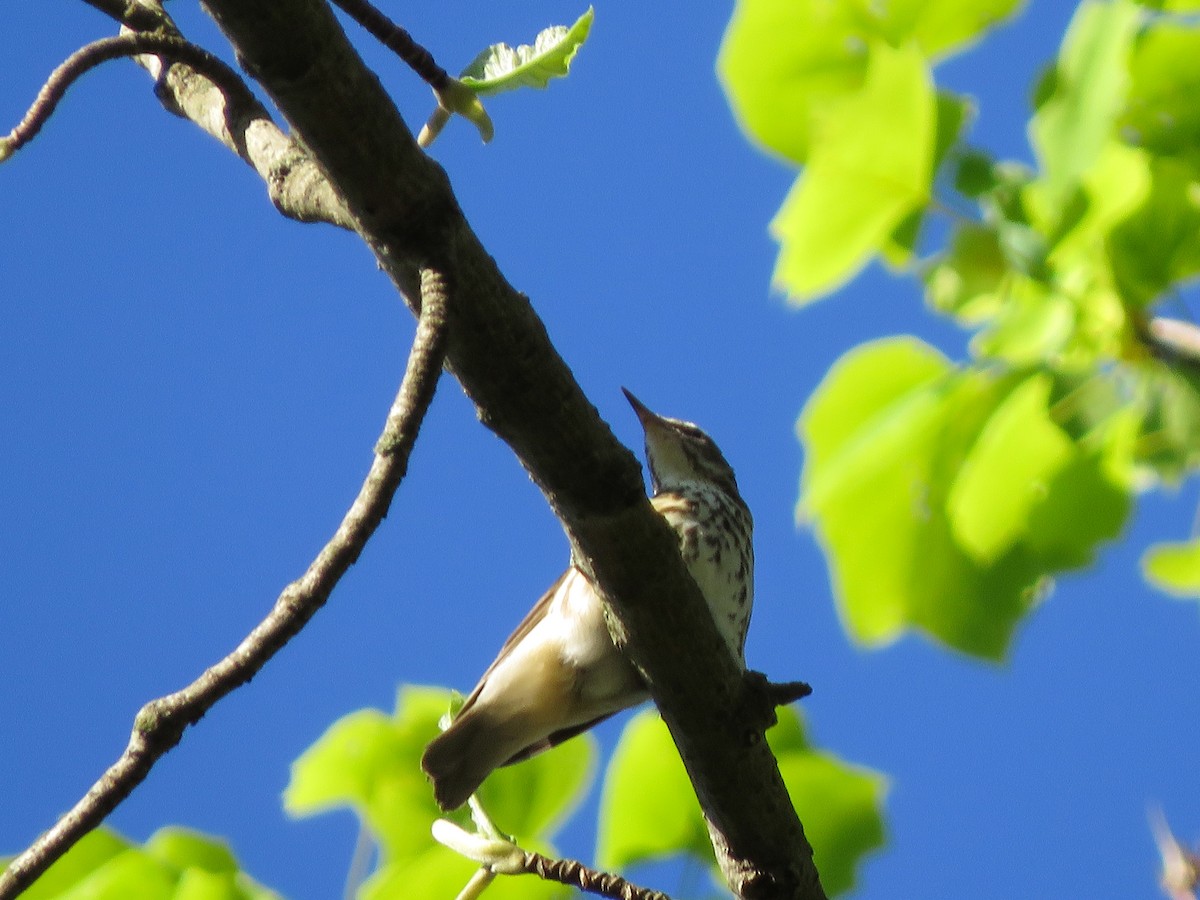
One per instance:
(403, 207)
(161, 723)
(236, 119)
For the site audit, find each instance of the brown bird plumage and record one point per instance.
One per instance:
(559, 673)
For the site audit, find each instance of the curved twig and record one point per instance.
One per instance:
(98, 52)
(498, 855)
(573, 873)
(160, 724)
(397, 40)
(452, 95)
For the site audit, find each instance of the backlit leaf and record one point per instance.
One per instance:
(649, 810)
(850, 196)
(785, 65)
(944, 26)
(841, 805)
(502, 68)
(1174, 568)
(1161, 113)
(1007, 471)
(900, 447)
(1086, 93)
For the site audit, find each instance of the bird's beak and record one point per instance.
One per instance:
(643, 412)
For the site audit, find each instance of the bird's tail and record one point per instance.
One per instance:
(461, 757)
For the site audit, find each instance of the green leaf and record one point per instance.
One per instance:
(969, 280)
(854, 393)
(882, 436)
(176, 863)
(887, 438)
(500, 68)
(850, 196)
(1007, 471)
(92, 851)
(1086, 504)
(184, 848)
(841, 805)
(1171, 5)
(534, 798)
(1116, 185)
(975, 173)
(941, 27)
(648, 809)
(1174, 568)
(1087, 91)
(953, 114)
(1158, 246)
(1169, 441)
(1033, 326)
(198, 884)
(785, 65)
(370, 762)
(1161, 113)
(343, 767)
(129, 874)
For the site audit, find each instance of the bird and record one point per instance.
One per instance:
(560, 673)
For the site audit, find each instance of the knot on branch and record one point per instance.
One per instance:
(159, 722)
(761, 697)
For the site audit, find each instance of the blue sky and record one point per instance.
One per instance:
(190, 387)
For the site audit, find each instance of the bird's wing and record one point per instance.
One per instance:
(556, 738)
(531, 619)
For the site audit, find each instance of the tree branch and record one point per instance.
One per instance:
(1173, 339)
(397, 40)
(160, 724)
(104, 50)
(499, 855)
(405, 210)
(573, 873)
(295, 185)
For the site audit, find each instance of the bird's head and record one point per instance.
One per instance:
(679, 453)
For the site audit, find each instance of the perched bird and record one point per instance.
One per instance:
(559, 673)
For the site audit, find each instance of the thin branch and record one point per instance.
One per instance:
(397, 40)
(499, 855)
(94, 54)
(160, 724)
(1179, 874)
(1173, 339)
(575, 874)
(360, 862)
(452, 95)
